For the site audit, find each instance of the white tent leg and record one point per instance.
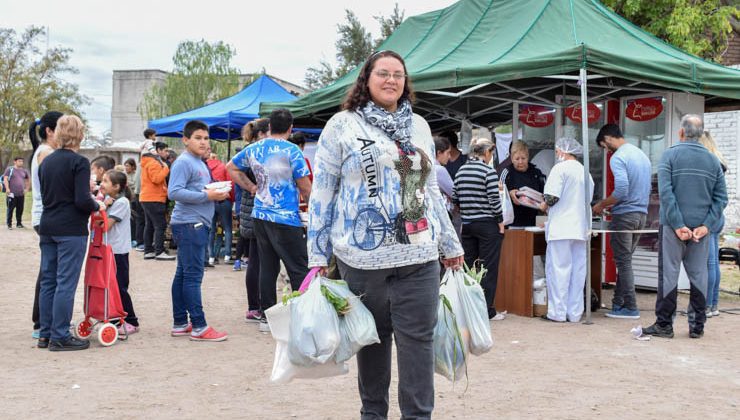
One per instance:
(586, 185)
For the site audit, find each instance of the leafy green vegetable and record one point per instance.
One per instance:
(341, 305)
(476, 274)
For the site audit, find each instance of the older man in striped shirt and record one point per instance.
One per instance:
(477, 195)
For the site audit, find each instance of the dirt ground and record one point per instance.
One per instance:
(536, 369)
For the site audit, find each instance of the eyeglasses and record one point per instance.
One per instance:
(385, 75)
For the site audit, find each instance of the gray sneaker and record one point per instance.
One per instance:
(715, 311)
(264, 326)
(658, 331)
(149, 256)
(163, 256)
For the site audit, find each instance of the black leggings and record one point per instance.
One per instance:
(123, 277)
(252, 277)
(242, 247)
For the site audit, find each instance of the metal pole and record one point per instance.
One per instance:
(228, 141)
(586, 186)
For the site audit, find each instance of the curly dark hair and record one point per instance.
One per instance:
(359, 94)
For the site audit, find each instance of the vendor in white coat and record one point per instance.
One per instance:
(566, 232)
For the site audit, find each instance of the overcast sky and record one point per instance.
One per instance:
(285, 36)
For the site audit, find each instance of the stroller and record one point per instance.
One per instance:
(102, 299)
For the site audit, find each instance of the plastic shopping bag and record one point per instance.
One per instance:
(356, 327)
(507, 208)
(314, 328)
(474, 309)
(450, 334)
(283, 371)
(449, 348)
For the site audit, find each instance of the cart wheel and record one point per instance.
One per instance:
(82, 329)
(107, 334)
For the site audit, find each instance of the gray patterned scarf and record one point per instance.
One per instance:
(397, 125)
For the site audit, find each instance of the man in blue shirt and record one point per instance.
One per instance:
(629, 202)
(692, 191)
(281, 174)
(190, 222)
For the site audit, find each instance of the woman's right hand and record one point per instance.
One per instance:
(514, 199)
(323, 270)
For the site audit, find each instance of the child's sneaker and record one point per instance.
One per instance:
(209, 335)
(227, 259)
(237, 265)
(127, 329)
(253, 316)
(181, 331)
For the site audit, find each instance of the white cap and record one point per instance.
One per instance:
(569, 145)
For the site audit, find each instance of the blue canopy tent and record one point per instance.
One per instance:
(227, 116)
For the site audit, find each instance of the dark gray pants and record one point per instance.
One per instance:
(156, 224)
(694, 255)
(403, 301)
(623, 246)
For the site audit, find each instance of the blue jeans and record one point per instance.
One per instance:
(186, 299)
(223, 214)
(61, 263)
(713, 270)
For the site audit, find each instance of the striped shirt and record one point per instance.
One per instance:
(476, 192)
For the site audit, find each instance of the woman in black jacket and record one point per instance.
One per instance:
(518, 174)
(68, 203)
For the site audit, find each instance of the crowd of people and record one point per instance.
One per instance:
(388, 206)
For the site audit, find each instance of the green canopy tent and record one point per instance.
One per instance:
(472, 60)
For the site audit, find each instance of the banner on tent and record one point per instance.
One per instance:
(537, 116)
(644, 109)
(574, 113)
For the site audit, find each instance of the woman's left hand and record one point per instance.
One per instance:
(454, 263)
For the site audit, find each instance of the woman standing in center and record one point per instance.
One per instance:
(476, 193)
(375, 205)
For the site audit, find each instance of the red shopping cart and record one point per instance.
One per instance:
(102, 299)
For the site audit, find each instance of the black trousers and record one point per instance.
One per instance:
(17, 204)
(122, 277)
(279, 242)
(482, 240)
(155, 226)
(252, 277)
(138, 221)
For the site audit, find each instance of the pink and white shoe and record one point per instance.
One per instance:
(181, 331)
(253, 316)
(127, 329)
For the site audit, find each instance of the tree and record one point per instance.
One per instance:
(202, 73)
(389, 24)
(31, 84)
(354, 45)
(698, 27)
